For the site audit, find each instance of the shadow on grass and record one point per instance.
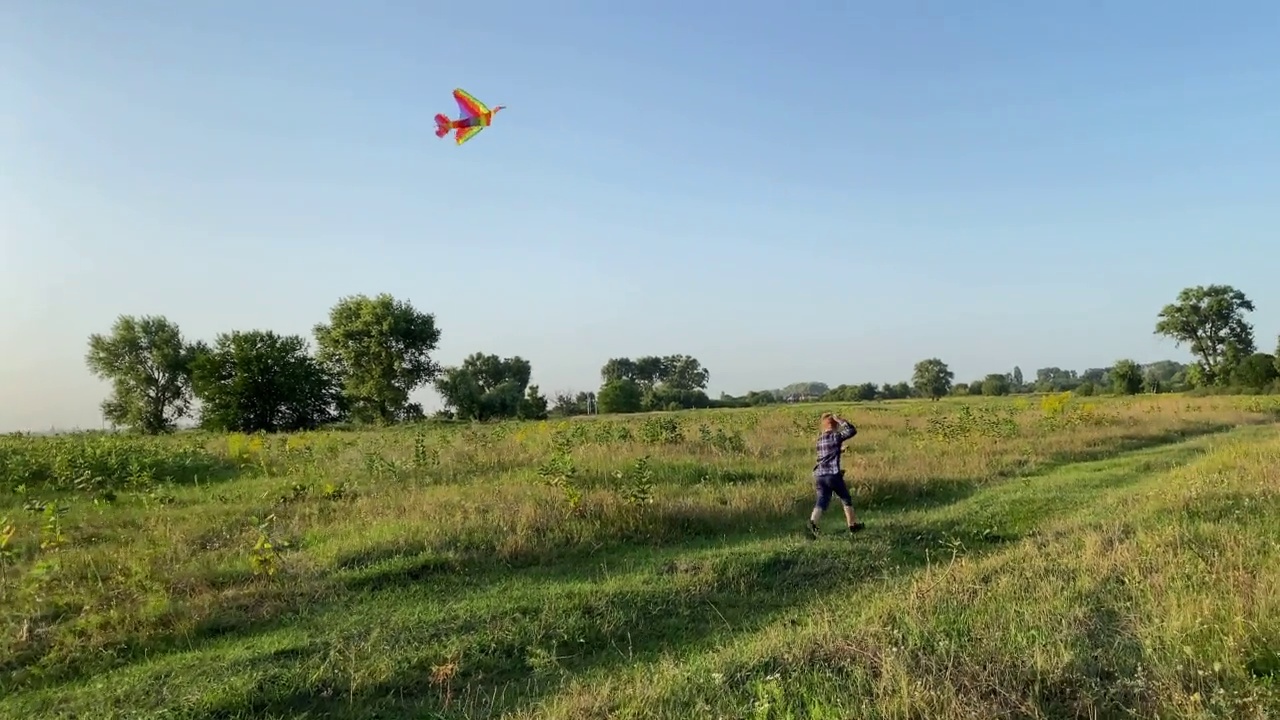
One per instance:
(1103, 678)
(1121, 445)
(515, 652)
(640, 531)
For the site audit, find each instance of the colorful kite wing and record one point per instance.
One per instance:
(466, 133)
(468, 105)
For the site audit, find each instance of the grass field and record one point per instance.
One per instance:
(1023, 558)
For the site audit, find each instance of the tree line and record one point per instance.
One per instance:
(369, 356)
(1209, 320)
(372, 353)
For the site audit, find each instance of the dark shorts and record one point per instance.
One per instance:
(826, 485)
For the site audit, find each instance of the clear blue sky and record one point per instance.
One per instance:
(788, 191)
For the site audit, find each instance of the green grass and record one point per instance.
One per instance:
(1120, 559)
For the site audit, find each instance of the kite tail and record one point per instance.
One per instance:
(442, 125)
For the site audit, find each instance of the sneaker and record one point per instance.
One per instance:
(813, 528)
(855, 527)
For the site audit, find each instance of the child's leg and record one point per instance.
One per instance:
(822, 489)
(846, 499)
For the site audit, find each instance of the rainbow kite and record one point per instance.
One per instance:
(474, 117)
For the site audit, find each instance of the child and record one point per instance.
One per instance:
(828, 476)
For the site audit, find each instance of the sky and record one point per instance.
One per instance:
(824, 191)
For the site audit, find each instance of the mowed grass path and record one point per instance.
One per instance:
(1114, 560)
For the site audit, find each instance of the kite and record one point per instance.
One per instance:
(474, 117)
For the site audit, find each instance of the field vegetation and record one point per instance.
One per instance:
(1049, 556)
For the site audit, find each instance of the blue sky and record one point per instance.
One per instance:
(787, 191)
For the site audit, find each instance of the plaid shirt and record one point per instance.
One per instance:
(829, 447)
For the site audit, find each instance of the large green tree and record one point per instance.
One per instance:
(932, 378)
(673, 381)
(256, 380)
(1210, 319)
(380, 348)
(995, 385)
(684, 373)
(1126, 377)
(1055, 379)
(149, 367)
(486, 387)
(1255, 372)
(620, 396)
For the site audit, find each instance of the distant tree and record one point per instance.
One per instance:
(809, 389)
(756, 398)
(866, 391)
(1097, 376)
(1015, 380)
(665, 397)
(1255, 372)
(1055, 379)
(533, 406)
(1164, 376)
(1126, 377)
(620, 396)
(674, 381)
(260, 381)
(1085, 389)
(975, 387)
(650, 370)
(1195, 376)
(1210, 319)
(381, 350)
(486, 387)
(568, 404)
(149, 366)
(932, 378)
(995, 384)
(684, 373)
(1278, 354)
(619, 369)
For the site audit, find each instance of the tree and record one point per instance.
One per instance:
(1055, 379)
(619, 369)
(567, 404)
(1016, 380)
(685, 373)
(995, 385)
(1211, 321)
(932, 378)
(650, 370)
(620, 396)
(149, 366)
(381, 349)
(1164, 375)
(533, 406)
(665, 382)
(1255, 372)
(260, 381)
(1126, 377)
(804, 389)
(975, 387)
(485, 387)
